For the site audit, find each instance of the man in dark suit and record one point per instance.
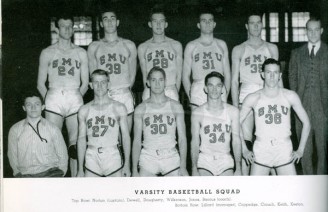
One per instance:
(308, 76)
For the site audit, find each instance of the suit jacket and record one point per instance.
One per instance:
(299, 68)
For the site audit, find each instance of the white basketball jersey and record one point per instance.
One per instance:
(164, 56)
(251, 63)
(64, 70)
(215, 132)
(102, 127)
(114, 60)
(206, 59)
(159, 127)
(272, 116)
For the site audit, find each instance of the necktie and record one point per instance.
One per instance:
(312, 52)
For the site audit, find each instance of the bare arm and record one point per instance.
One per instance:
(43, 72)
(186, 72)
(123, 121)
(92, 57)
(137, 130)
(235, 75)
(302, 115)
(226, 67)
(142, 61)
(195, 140)
(84, 71)
(274, 51)
(12, 150)
(132, 62)
(61, 150)
(236, 142)
(247, 106)
(82, 141)
(178, 49)
(182, 139)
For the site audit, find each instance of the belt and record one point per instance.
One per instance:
(163, 152)
(63, 90)
(101, 149)
(273, 140)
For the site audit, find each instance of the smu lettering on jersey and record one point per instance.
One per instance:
(272, 116)
(215, 132)
(251, 63)
(164, 56)
(102, 127)
(65, 70)
(159, 127)
(206, 59)
(114, 60)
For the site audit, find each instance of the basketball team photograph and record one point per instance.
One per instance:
(149, 88)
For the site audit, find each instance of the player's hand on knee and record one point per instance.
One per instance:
(80, 173)
(248, 156)
(297, 155)
(183, 172)
(126, 172)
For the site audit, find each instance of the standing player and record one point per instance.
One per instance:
(100, 123)
(212, 125)
(117, 56)
(202, 56)
(65, 65)
(158, 118)
(247, 59)
(163, 52)
(272, 107)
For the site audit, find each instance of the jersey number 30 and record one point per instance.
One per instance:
(158, 128)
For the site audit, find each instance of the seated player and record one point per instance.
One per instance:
(36, 147)
(157, 120)
(272, 107)
(101, 121)
(212, 126)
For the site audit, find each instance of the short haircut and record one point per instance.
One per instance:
(270, 61)
(253, 13)
(214, 74)
(107, 10)
(206, 9)
(30, 93)
(64, 17)
(156, 10)
(99, 72)
(154, 69)
(313, 18)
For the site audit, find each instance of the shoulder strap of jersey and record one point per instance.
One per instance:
(125, 46)
(243, 47)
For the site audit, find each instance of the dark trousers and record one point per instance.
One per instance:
(52, 172)
(317, 140)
